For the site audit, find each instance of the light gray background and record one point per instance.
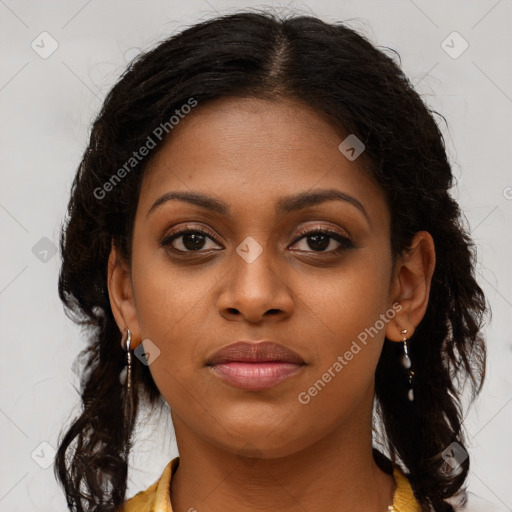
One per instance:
(47, 106)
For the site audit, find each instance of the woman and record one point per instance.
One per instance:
(261, 236)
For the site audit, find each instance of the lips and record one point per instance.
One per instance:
(255, 366)
(251, 352)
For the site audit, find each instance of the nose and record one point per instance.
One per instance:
(255, 290)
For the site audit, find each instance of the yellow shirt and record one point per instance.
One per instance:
(156, 497)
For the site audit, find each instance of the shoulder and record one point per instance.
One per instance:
(464, 501)
(156, 496)
(471, 502)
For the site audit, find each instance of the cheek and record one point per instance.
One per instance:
(347, 300)
(167, 296)
(167, 305)
(347, 320)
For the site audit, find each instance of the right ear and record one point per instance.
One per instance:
(120, 292)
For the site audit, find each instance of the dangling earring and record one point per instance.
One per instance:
(125, 378)
(407, 364)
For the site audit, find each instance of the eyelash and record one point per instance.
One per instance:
(344, 241)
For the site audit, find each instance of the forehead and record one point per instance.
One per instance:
(251, 151)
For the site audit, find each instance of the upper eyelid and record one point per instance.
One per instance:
(302, 231)
(323, 229)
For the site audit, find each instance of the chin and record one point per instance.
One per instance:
(263, 441)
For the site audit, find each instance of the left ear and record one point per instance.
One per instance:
(411, 285)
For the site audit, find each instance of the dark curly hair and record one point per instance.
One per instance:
(363, 91)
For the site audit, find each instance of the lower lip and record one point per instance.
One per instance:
(255, 376)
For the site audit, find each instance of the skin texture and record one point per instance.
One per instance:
(264, 450)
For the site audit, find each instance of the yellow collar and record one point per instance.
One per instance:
(403, 499)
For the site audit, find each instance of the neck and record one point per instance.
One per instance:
(336, 473)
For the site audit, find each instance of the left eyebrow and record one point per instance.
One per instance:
(305, 199)
(284, 206)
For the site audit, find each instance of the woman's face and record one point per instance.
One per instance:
(253, 274)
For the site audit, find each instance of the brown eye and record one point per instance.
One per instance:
(188, 240)
(319, 240)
